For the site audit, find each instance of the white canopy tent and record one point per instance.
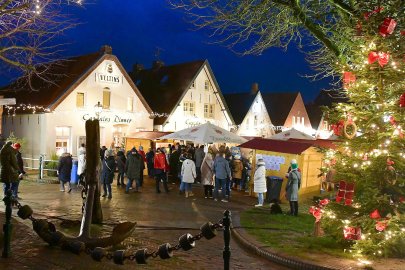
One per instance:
(292, 134)
(205, 134)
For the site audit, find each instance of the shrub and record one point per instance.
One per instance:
(53, 164)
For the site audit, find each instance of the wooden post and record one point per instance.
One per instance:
(226, 254)
(7, 227)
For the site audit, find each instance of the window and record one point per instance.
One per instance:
(247, 123)
(293, 120)
(325, 125)
(130, 104)
(62, 142)
(188, 108)
(106, 98)
(193, 85)
(255, 121)
(209, 110)
(302, 121)
(80, 100)
(206, 85)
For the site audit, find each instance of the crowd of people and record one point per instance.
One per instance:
(185, 165)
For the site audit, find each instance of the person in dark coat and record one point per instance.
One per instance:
(21, 171)
(174, 160)
(121, 160)
(133, 168)
(9, 168)
(143, 157)
(64, 171)
(107, 173)
(149, 161)
(102, 152)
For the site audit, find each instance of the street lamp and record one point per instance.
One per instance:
(98, 108)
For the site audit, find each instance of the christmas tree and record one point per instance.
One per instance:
(369, 162)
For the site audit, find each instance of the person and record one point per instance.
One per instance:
(259, 181)
(293, 185)
(237, 168)
(182, 158)
(81, 161)
(222, 172)
(9, 167)
(149, 161)
(188, 174)
(199, 157)
(174, 160)
(102, 152)
(64, 170)
(207, 174)
(21, 171)
(245, 174)
(133, 169)
(107, 173)
(143, 157)
(161, 168)
(121, 160)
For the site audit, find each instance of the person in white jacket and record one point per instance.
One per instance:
(188, 173)
(260, 181)
(81, 161)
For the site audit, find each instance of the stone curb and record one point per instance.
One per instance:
(292, 263)
(44, 181)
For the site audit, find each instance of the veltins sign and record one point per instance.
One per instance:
(108, 76)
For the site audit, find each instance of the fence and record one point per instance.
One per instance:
(40, 165)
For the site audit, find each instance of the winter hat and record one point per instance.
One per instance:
(237, 156)
(293, 161)
(260, 162)
(16, 146)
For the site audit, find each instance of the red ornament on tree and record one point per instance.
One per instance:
(389, 164)
(316, 212)
(387, 27)
(375, 214)
(338, 128)
(376, 10)
(346, 192)
(381, 57)
(402, 101)
(381, 225)
(352, 233)
(324, 202)
(348, 79)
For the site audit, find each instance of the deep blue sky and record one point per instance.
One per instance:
(136, 28)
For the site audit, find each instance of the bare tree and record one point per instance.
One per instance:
(27, 29)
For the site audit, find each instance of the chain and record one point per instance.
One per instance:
(132, 256)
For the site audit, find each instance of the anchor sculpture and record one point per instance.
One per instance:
(92, 209)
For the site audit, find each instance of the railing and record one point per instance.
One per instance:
(38, 164)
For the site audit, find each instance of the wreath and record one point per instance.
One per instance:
(350, 129)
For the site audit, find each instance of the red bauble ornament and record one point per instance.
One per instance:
(324, 202)
(338, 128)
(381, 225)
(402, 101)
(387, 27)
(381, 57)
(352, 233)
(348, 78)
(316, 212)
(389, 164)
(375, 214)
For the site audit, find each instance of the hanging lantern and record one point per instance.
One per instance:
(387, 27)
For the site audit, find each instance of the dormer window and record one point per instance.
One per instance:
(106, 98)
(207, 85)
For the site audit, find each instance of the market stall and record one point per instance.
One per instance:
(147, 139)
(277, 155)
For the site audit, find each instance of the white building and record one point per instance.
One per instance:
(250, 114)
(182, 95)
(54, 117)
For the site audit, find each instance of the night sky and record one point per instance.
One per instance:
(135, 29)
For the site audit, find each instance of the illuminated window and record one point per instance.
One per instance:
(106, 98)
(80, 100)
(62, 141)
(206, 110)
(325, 125)
(302, 121)
(209, 110)
(130, 104)
(247, 123)
(255, 121)
(206, 85)
(188, 108)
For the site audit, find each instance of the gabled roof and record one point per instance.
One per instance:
(289, 147)
(315, 115)
(239, 104)
(164, 86)
(279, 105)
(61, 78)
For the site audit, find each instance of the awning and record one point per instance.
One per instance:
(289, 147)
(148, 135)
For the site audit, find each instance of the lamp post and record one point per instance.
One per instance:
(98, 108)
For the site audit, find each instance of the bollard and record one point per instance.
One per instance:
(41, 166)
(7, 227)
(226, 254)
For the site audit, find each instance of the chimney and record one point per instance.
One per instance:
(105, 49)
(157, 64)
(255, 88)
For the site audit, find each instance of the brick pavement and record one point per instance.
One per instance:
(160, 217)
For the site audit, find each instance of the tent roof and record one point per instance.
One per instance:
(292, 133)
(148, 135)
(292, 146)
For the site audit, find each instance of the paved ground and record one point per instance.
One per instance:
(160, 217)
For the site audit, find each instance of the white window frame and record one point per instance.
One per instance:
(130, 104)
(207, 85)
